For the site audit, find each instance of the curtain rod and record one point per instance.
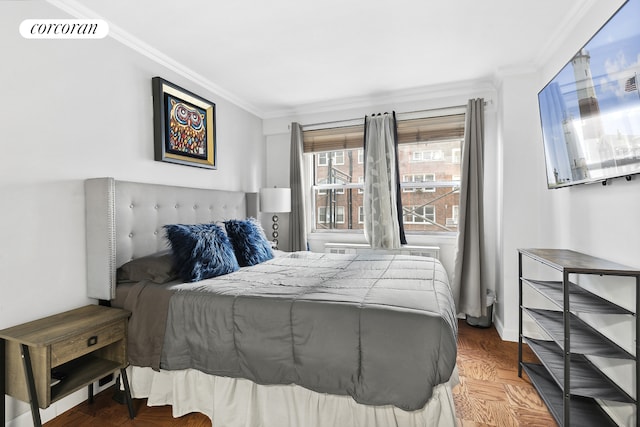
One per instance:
(334, 122)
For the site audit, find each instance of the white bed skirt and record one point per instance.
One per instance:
(231, 402)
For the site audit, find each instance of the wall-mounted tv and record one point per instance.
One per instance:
(590, 111)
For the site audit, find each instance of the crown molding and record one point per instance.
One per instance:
(513, 71)
(76, 9)
(563, 31)
(418, 94)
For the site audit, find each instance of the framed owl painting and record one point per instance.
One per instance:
(183, 125)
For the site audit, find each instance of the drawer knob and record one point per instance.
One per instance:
(92, 341)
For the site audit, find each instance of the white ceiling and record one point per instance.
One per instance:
(275, 57)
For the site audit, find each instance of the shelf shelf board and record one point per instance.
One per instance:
(576, 262)
(581, 300)
(584, 339)
(586, 379)
(82, 372)
(584, 411)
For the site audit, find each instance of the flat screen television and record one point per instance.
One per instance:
(590, 111)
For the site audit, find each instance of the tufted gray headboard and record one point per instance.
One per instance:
(124, 221)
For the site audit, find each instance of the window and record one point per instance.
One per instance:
(337, 158)
(455, 155)
(419, 214)
(323, 217)
(418, 178)
(428, 152)
(329, 215)
(323, 159)
(428, 156)
(453, 220)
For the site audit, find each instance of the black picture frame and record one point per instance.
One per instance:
(184, 126)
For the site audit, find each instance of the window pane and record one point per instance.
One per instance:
(430, 209)
(339, 205)
(339, 211)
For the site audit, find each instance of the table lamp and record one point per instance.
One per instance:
(275, 200)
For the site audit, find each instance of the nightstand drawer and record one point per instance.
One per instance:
(87, 342)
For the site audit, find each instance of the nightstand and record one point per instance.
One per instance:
(47, 359)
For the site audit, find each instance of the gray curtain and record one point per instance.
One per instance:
(381, 225)
(297, 218)
(468, 287)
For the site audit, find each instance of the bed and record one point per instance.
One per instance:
(301, 339)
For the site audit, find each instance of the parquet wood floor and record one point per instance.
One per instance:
(490, 393)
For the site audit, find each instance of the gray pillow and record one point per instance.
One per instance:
(157, 268)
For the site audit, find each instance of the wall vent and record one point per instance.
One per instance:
(361, 248)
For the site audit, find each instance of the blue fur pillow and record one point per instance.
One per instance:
(200, 251)
(249, 243)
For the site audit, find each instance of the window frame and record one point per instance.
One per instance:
(345, 141)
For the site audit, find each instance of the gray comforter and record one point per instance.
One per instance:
(380, 328)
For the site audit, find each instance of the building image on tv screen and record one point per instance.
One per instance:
(590, 111)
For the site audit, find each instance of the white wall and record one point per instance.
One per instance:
(71, 110)
(523, 181)
(277, 175)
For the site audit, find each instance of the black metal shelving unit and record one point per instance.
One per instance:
(568, 382)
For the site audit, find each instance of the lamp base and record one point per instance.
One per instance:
(274, 234)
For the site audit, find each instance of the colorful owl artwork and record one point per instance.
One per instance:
(187, 129)
(184, 126)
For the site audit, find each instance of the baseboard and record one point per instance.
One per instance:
(26, 419)
(507, 334)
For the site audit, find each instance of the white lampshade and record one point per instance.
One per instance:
(273, 200)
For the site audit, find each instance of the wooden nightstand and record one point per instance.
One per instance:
(78, 346)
